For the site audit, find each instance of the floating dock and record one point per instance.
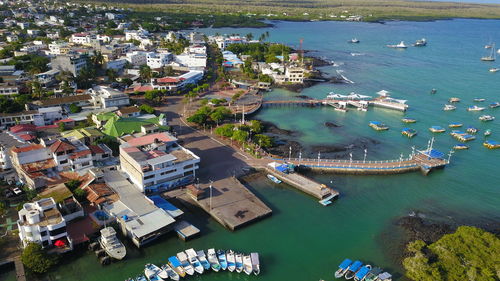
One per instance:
(185, 230)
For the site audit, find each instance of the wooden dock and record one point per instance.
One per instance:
(20, 274)
(185, 230)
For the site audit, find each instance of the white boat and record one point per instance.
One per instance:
(353, 40)
(183, 258)
(203, 259)
(176, 265)
(110, 243)
(193, 260)
(487, 132)
(494, 69)
(162, 273)
(212, 259)
(448, 107)
(151, 272)
(454, 100)
(420, 43)
(170, 272)
(247, 264)
(401, 45)
(231, 262)
(273, 178)
(494, 104)
(343, 267)
(492, 55)
(475, 108)
(486, 118)
(221, 256)
(239, 262)
(255, 263)
(479, 99)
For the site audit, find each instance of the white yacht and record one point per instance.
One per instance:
(475, 108)
(247, 264)
(110, 243)
(448, 107)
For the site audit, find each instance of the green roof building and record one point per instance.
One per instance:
(117, 126)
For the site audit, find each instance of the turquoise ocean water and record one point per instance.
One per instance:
(305, 241)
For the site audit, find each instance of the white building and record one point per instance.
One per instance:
(156, 162)
(106, 97)
(58, 48)
(193, 61)
(158, 60)
(136, 34)
(40, 117)
(117, 65)
(137, 58)
(71, 154)
(175, 83)
(81, 38)
(8, 89)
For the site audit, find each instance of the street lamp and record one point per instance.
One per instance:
(210, 186)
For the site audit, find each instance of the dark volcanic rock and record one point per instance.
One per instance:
(282, 147)
(332, 125)
(304, 97)
(270, 128)
(417, 228)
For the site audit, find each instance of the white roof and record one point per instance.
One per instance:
(384, 93)
(143, 225)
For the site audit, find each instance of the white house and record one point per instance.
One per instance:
(193, 61)
(58, 48)
(82, 38)
(158, 60)
(106, 97)
(137, 58)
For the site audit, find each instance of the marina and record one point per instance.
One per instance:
(357, 271)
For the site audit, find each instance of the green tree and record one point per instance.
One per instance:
(97, 60)
(37, 90)
(73, 108)
(226, 130)
(263, 140)
(256, 126)
(240, 136)
(145, 73)
(73, 184)
(36, 259)
(168, 70)
(61, 127)
(147, 108)
(80, 194)
(153, 96)
(112, 75)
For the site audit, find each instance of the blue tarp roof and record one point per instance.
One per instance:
(375, 122)
(174, 261)
(345, 263)
(355, 266)
(434, 154)
(165, 205)
(362, 272)
(282, 168)
(491, 142)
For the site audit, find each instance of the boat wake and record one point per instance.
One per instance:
(339, 72)
(357, 54)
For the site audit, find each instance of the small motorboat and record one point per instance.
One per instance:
(384, 277)
(231, 261)
(193, 260)
(255, 263)
(170, 272)
(378, 126)
(247, 264)
(203, 259)
(455, 125)
(221, 255)
(472, 130)
(420, 43)
(273, 178)
(494, 69)
(475, 108)
(486, 118)
(479, 99)
(494, 104)
(433, 91)
(448, 107)
(151, 272)
(353, 269)
(460, 146)
(454, 99)
(408, 120)
(491, 144)
(353, 40)
(410, 133)
(183, 258)
(212, 259)
(373, 274)
(401, 45)
(361, 274)
(141, 278)
(487, 132)
(175, 264)
(487, 46)
(238, 257)
(437, 129)
(343, 267)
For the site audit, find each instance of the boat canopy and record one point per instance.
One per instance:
(345, 264)
(354, 96)
(492, 142)
(355, 266)
(362, 272)
(385, 276)
(376, 122)
(433, 153)
(383, 93)
(174, 261)
(437, 127)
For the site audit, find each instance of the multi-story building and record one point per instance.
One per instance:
(59, 48)
(137, 58)
(192, 60)
(106, 97)
(47, 78)
(156, 162)
(40, 117)
(294, 74)
(8, 89)
(71, 63)
(178, 82)
(158, 60)
(80, 38)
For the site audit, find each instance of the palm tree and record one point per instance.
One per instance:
(36, 88)
(145, 73)
(97, 59)
(112, 75)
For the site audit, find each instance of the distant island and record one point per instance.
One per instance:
(235, 13)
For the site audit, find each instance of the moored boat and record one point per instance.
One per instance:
(491, 144)
(343, 267)
(455, 125)
(384, 277)
(448, 107)
(475, 108)
(163, 274)
(408, 120)
(110, 243)
(151, 272)
(472, 130)
(176, 265)
(361, 274)
(491, 56)
(247, 264)
(437, 129)
(183, 258)
(487, 132)
(460, 146)
(273, 178)
(140, 278)
(373, 274)
(486, 118)
(212, 259)
(255, 263)
(170, 272)
(479, 99)
(410, 133)
(454, 99)
(193, 260)
(494, 69)
(433, 91)
(231, 262)
(353, 40)
(379, 126)
(494, 104)
(353, 269)
(420, 43)
(238, 257)
(221, 255)
(203, 259)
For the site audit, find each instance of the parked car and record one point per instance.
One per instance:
(17, 190)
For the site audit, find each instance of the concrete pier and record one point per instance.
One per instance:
(185, 230)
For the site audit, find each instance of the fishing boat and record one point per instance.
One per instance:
(231, 262)
(492, 55)
(327, 201)
(494, 69)
(401, 45)
(353, 40)
(410, 133)
(494, 104)
(486, 118)
(455, 125)
(183, 258)
(176, 265)
(437, 129)
(170, 272)
(159, 271)
(193, 260)
(491, 144)
(460, 146)
(373, 274)
(151, 272)
(247, 264)
(433, 91)
(203, 259)
(448, 107)
(255, 263)
(475, 108)
(487, 132)
(353, 269)
(479, 99)
(212, 259)
(110, 243)
(408, 120)
(384, 277)
(378, 126)
(140, 278)
(472, 130)
(273, 178)
(420, 43)
(343, 267)
(238, 257)
(454, 99)
(361, 274)
(221, 255)
(464, 137)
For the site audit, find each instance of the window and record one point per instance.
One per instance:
(149, 177)
(63, 162)
(57, 231)
(43, 233)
